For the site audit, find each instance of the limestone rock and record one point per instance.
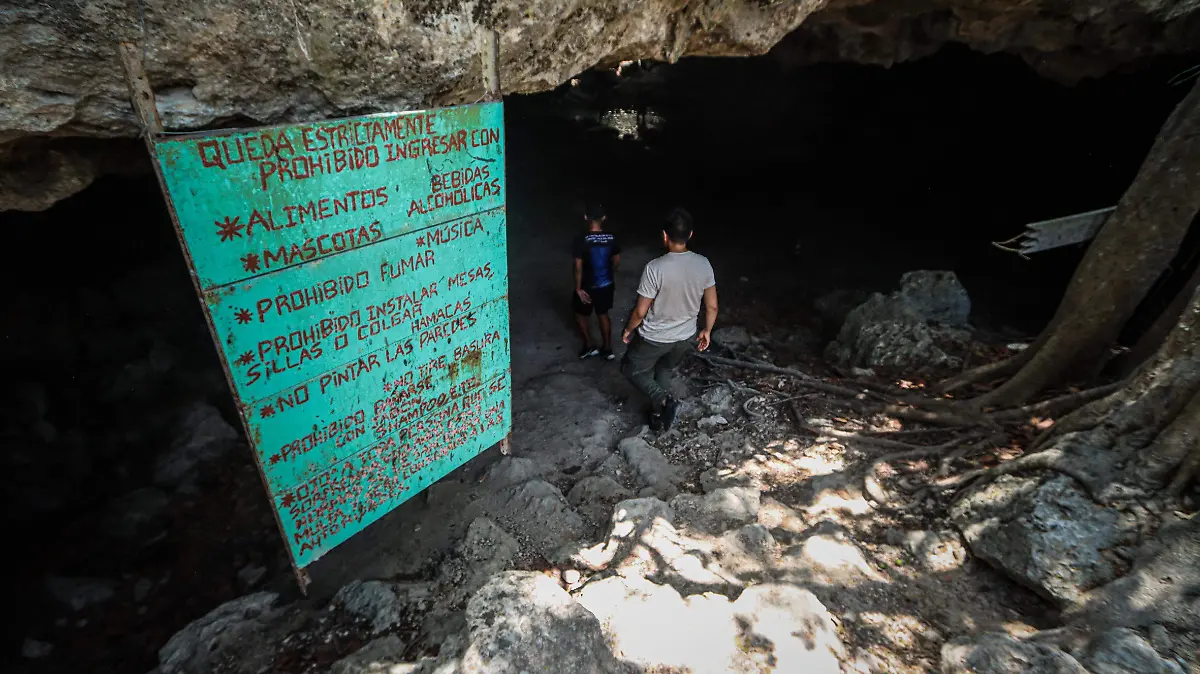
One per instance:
(719, 400)
(999, 653)
(524, 622)
(232, 626)
(139, 513)
(828, 558)
(734, 336)
(595, 496)
(381, 656)
(485, 551)
(1159, 592)
(536, 513)
(510, 471)
(383, 604)
(908, 328)
(650, 467)
(769, 628)
(718, 511)
(934, 550)
(1049, 535)
(1123, 651)
(79, 593)
(203, 436)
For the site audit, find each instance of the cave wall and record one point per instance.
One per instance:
(226, 62)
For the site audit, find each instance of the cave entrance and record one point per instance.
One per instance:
(803, 181)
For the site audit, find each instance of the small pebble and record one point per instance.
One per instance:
(571, 576)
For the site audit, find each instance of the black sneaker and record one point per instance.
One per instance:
(588, 352)
(656, 423)
(670, 410)
(607, 354)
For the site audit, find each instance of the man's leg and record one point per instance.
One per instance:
(581, 325)
(638, 365)
(665, 368)
(605, 333)
(583, 314)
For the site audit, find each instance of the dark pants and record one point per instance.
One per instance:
(649, 364)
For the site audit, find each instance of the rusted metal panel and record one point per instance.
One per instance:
(1057, 232)
(355, 276)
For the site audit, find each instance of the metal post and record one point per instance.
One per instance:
(489, 53)
(140, 93)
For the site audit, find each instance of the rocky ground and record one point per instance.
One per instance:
(743, 540)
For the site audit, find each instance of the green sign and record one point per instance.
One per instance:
(355, 277)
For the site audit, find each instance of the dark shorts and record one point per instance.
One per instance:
(602, 301)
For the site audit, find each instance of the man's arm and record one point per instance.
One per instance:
(583, 296)
(636, 317)
(710, 317)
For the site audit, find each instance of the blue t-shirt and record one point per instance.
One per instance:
(597, 250)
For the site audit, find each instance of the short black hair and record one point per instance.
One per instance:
(678, 226)
(594, 212)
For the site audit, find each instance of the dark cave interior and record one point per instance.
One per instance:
(802, 181)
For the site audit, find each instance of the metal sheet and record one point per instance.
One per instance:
(1057, 232)
(355, 277)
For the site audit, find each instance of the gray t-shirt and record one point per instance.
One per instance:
(676, 282)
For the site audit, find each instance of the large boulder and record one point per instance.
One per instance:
(770, 627)
(485, 551)
(244, 632)
(999, 653)
(381, 603)
(718, 511)
(908, 329)
(653, 472)
(1123, 651)
(202, 435)
(1047, 535)
(523, 622)
(535, 512)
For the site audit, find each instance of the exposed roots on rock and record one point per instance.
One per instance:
(876, 491)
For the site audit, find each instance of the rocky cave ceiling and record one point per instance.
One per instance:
(65, 117)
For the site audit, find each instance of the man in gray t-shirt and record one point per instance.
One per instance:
(664, 321)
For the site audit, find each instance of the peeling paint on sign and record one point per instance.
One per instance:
(355, 276)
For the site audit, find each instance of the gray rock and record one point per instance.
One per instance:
(770, 628)
(1122, 651)
(485, 551)
(32, 649)
(383, 604)
(719, 400)
(933, 550)
(733, 336)
(650, 467)
(380, 656)
(203, 435)
(523, 622)
(1048, 536)
(250, 575)
(537, 513)
(233, 625)
(828, 557)
(907, 328)
(138, 514)
(787, 628)
(718, 511)
(748, 553)
(709, 423)
(510, 471)
(1159, 593)
(595, 496)
(616, 468)
(999, 653)
(79, 593)
(142, 589)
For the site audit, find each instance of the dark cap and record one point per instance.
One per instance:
(594, 212)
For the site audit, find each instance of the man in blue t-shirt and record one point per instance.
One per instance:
(597, 254)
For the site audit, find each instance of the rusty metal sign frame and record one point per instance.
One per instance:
(143, 101)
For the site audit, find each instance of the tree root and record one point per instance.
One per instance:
(960, 418)
(1055, 406)
(876, 491)
(996, 370)
(886, 443)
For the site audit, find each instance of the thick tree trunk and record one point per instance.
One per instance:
(1153, 338)
(1122, 263)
